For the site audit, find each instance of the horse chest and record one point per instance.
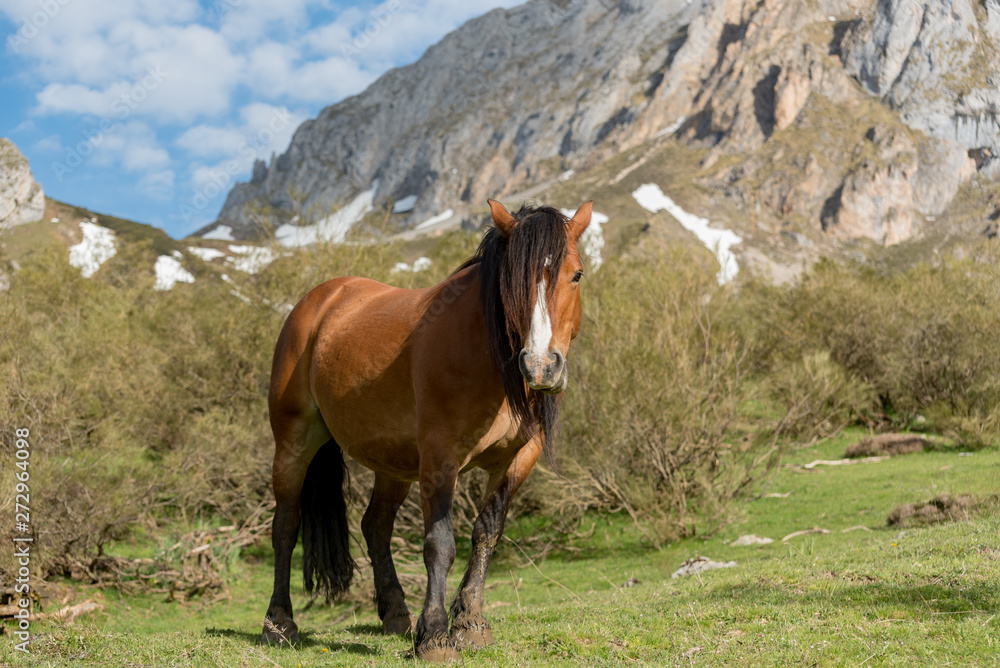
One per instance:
(496, 448)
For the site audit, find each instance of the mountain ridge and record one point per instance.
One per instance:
(846, 119)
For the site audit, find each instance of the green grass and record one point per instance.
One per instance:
(875, 597)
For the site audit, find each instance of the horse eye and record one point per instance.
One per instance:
(577, 276)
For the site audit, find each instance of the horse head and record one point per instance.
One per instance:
(540, 285)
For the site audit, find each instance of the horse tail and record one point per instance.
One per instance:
(327, 566)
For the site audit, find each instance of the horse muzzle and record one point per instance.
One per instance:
(546, 372)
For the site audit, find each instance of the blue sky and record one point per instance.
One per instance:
(151, 109)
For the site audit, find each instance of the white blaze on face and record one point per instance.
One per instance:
(541, 325)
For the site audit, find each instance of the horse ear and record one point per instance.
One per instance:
(580, 220)
(502, 218)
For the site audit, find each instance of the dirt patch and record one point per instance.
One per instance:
(888, 444)
(942, 508)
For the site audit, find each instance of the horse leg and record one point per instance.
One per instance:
(297, 440)
(469, 629)
(437, 492)
(387, 496)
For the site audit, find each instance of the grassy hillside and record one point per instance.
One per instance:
(686, 402)
(60, 227)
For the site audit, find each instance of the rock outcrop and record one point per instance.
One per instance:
(876, 199)
(21, 198)
(937, 62)
(513, 97)
(881, 108)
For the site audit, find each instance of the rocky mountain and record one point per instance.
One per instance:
(825, 120)
(21, 198)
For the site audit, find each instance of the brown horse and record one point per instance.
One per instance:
(418, 386)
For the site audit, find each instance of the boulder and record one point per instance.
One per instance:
(21, 198)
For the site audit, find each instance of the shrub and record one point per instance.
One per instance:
(655, 411)
(922, 339)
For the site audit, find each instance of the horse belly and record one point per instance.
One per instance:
(372, 417)
(361, 381)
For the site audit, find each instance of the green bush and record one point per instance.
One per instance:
(656, 409)
(148, 409)
(924, 340)
(818, 396)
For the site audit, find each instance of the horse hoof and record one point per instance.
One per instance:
(280, 630)
(438, 649)
(472, 637)
(439, 654)
(399, 626)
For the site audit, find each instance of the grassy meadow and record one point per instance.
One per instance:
(865, 597)
(689, 404)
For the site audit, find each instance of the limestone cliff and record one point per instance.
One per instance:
(21, 198)
(857, 117)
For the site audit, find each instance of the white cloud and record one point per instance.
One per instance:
(91, 42)
(330, 79)
(328, 38)
(247, 20)
(50, 144)
(200, 75)
(139, 157)
(132, 145)
(95, 55)
(260, 131)
(158, 185)
(72, 98)
(205, 140)
(174, 73)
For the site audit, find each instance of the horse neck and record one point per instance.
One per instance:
(461, 312)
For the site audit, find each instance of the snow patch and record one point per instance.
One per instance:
(97, 247)
(220, 233)
(332, 228)
(672, 128)
(447, 214)
(420, 264)
(169, 272)
(651, 198)
(565, 175)
(591, 242)
(206, 254)
(405, 205)
(252, 258)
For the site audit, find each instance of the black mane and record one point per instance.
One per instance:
(510, 268)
